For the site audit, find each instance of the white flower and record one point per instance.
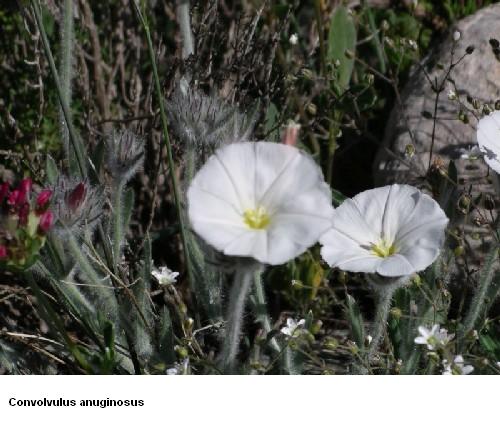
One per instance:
(392, 231)
(434, 337)
(488, 139)
(458, 367)
(165, 276)
(452, 95)
(292, 327)
(262, 200)
(471, 153)
(294, 39)
(179, 368)
(457, 35)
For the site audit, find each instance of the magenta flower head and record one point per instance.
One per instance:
(43, 200)
(13, 198)
(46, 221)
(3, 253)
(25, 187)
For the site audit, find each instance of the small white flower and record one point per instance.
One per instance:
(179, 368)
(452, 95)
(267, 201)
(488, 139)
(434, 337)
(293, 327)
(475, 335)
(458, 367)
(498, 364)
(393, 231)
(457, 35)
(369, 339)
(294, 39)
(413, 44)
(471, 153)
(165, 276)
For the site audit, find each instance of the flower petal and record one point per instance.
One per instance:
(395, 265)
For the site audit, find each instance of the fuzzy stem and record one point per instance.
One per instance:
(67, 115)
(478, 301)
(118, 223)
(66, 68)
(260, 308)
(380, 323)
(185, 28)
(234, 317)
(163, 118)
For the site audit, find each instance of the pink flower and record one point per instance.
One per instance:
(23, 214)
(43, 199)
(13, 198)
(3, 253)
(46, 221)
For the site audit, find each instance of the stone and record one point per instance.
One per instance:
(478, 77)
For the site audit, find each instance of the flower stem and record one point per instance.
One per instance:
(163, 118)
(380, 323)
(182, 12)
(234, 317)
(260, 308)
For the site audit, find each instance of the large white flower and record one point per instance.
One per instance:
(392, 231)
(488, 139)
(262, 200)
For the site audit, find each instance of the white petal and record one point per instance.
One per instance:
(281, 180)
(488, 139)
(395, 265)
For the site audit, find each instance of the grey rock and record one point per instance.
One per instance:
(477, 76)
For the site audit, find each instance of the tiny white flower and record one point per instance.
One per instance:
(457, 35)
(393, 231)
(369, 339)
(471, 153)
(475, 335)
(434, 337)
(458, 367)
(267, 201)
(452, 95)
(488, 139)
(293, 327)
(413, 44)
(498, 364)
(294, 39)
(165, 276)
(179, 368)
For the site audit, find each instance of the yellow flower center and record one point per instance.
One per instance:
(256, 218)
(383, 249)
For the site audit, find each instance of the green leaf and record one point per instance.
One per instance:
(342, 38)
(355, 322)
(51, 170)
(271, 127)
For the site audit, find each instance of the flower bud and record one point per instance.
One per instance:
(291, 133)
(45, 222)
(76, 196)
(43, 199)
(396, 313)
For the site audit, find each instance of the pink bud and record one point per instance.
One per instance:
(46, 221)
(13, 197)
(76, 197)
(3, 253)
(43, 199)
(291, 134)
(4, 190)
(25, 185)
